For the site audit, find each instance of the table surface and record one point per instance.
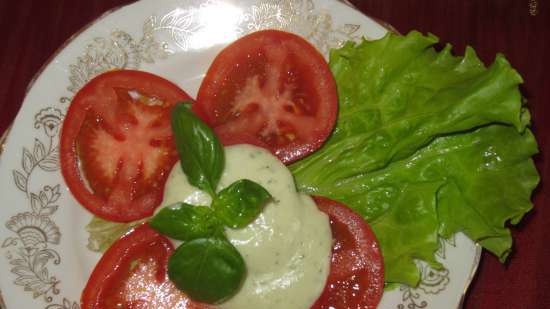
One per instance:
(32, 30)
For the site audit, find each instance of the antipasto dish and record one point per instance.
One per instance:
(290, 182)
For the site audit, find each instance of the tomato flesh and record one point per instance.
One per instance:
(116, 143)
(273, 86)
(131, 156)
(356, 278)
(132, 274)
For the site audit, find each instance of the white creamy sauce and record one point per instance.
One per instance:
(286, 249)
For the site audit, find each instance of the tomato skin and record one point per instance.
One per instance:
(132, 274)
(123, 146)
(356, 278)
(274, 87)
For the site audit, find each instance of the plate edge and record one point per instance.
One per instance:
(5, 134)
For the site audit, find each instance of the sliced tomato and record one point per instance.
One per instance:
(132, 275)
(356, 278)
(272, 86)
(117, 135)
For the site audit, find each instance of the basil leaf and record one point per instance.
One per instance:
(201, 154)
(207, 269)
(240, 203)
(186, 222)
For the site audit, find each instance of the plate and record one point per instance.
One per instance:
(45, 261)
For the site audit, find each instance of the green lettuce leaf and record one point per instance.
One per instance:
(426, 144)
(102, 233)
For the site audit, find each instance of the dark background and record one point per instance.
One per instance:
(31, 31)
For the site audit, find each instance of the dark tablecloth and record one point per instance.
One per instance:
(31, 31)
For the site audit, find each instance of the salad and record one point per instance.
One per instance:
(415, 144)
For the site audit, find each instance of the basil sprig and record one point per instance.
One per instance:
(201, 154)
(206, 266)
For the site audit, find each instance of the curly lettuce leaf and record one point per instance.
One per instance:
(426, 144)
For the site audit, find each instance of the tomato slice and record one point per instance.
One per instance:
(132, 275)
(356, 277)
(273, 86)
(117, 130)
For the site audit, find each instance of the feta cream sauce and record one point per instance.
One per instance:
(287, 249)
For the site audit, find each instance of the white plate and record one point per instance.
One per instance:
(45, 262)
